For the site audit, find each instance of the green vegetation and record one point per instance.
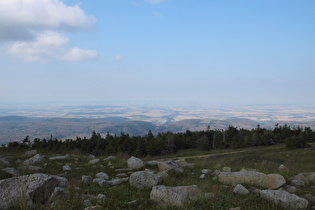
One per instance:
(169, 143)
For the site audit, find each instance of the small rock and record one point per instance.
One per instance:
(94, 161)
(240, 189)
(152, 163)
(226, 169)
(4, 163)
(209, 195)
(66, 168)
(288, 188)
(102, 175)
(202, 176)
(121, 175)
(183, 163)
(109, 158)
(284, 169)
(206, 171)
(92, 156)
(236, 208)
(31, 168)
(86, 179)
(132, 202)
(59, 157)
(170, 166)
(10, 171)
(216, 173)
(101, 197)
(87, 203)
(93, 208)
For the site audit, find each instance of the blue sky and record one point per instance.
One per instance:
(205, 51)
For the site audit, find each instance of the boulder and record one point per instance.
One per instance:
(144, 179)
(152, 163)
(240, 189)
(59, 157)
(285, 199)
(135, 163)
(270, 181)
(33, 160)
(175, 196)
(34, 189)
(299, 180)
(102, 175)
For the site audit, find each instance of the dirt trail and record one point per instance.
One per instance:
(206, 156)
(212, 155)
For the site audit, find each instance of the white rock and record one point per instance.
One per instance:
(202, 176)
(226, 169)
(66, 168)
(29, 188)
(94, 161)
(33, 160)
(240, 189)
(285, 199)
(86, 178)
(282, 168)
(59, 157)
(206, 171)
(135, 163)
(175, 196)
(102, 175)
(144, 179)
(30, 153)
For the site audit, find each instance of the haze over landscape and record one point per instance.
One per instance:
(155, 61)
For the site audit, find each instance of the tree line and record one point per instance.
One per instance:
(167, 143)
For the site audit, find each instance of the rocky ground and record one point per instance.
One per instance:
(35, 181)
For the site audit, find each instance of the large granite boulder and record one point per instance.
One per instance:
(34, 189)
(144, 179)
(175, 196)
(135, 163)
(270, 181)
(284, 199)
(4, 163)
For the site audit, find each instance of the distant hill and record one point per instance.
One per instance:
(16, 128)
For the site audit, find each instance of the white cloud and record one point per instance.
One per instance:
(31, 29)
(48, 45)
(77, 54)
(154, 1)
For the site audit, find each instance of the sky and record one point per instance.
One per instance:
(205, 51)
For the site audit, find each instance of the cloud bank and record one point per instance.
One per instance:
(32, 29)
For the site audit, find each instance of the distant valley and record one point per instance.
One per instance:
(64, 122)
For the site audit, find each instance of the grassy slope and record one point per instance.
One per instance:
(264, 159)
